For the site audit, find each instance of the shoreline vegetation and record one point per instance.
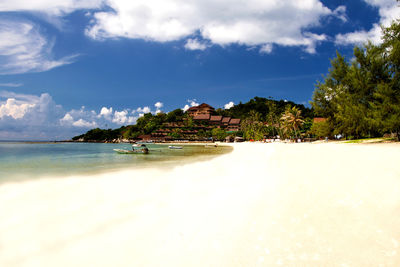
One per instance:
(358, 98)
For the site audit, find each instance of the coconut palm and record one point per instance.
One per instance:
(292, 120)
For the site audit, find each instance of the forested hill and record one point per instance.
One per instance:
(264, 106)
(267, 111)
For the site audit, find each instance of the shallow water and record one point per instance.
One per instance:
(32, 160)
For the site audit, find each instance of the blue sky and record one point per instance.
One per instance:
(67, 66)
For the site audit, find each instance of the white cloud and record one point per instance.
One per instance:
(31, 117)
(52, 7)
(121, 117)
(389, 10)
(192, 103)
(229, 105)
(28, 116)
(340, 13)
(143, 110)
(14, 109)
(223, 22)
(84, 124)
(11, 84)
(158, 105)
(67, 119)
(267, 48)
(106, 113)
(24, 49)
(195, 44)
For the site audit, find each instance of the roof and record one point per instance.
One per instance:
(226, 119)
(192, 108)
(319, 119)
(215, 118)
(204, 105)
(234, 121)
(202, 117)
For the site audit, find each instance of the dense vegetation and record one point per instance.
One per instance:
(260, 117)
(361, 98)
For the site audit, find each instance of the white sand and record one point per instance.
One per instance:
(262, 205)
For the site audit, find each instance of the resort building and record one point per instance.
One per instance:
(201, 110)
(204, 119)
(233, 125)
(201, 117)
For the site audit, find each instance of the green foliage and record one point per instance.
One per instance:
(99, 135)
(219, 134)
(176, 134)
(252, 126)
(291, 121)
(175, 115)
(362, 98)
(321, 129)
(264, 106)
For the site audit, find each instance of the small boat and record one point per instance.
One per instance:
(175, 147)
(136, 149)
(211, 145)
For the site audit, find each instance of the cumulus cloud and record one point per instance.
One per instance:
(229, 105)
(195, 44)
(158, 105)
(84, 124)
(106, 113)
(121, 117)
(28, 116)
(224, 22)
(143, 110)
(192, 103)
(32, 117)
(389, 10)
(24, 49)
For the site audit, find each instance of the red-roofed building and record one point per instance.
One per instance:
(216, 120)
(200, 109)
(234, 125)
(319, 119)
(202, 117)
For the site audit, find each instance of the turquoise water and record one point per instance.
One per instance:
(32, 160)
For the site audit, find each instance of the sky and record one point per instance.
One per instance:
(67, 66)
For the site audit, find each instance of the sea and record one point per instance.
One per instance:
(32, 160)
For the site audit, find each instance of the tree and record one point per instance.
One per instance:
(219, 134)
(292, 120)
(387, 110)
(253, 127)
(320, 129)
(361, 98)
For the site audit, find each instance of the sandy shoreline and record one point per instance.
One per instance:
(261, 205)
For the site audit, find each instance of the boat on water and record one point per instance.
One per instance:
(175, 147)
(136, 149)
(211, 145)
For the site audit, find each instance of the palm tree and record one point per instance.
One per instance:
(292, 119)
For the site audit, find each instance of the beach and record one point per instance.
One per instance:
(260, 205)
